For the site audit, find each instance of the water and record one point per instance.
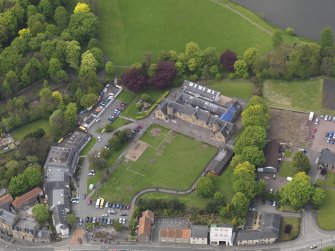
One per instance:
(307, 17)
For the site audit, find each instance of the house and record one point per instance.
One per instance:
(199, 90)
(144, 226)
(327, 159)
(28, 198)
(7, 222)
(5, 201)
(221, 235)
(173, 235)
(199, 235)
(272, 157)
(219, 162)
(59, 220)
(43, 236)
(266, 233)
(25, 229)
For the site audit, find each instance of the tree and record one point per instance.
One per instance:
(47, 101)
(250, 56)
(288, 229)
(255, 116)
(205, 187)
(218, 198)
(298, 191)
(96, 162)
(88, 64)
(254, 155)
(227, 59)
(318, 196)
(326, 41)
(134, 79)
(33, 175)
(88, 100)
(277, 39)
(55, 71)
(251, 136)
(117, 225)
(241, 69)
(301, 162)
(164, 75)
(70, 117)
(18, 185)
(240, 204)
(82, 7)
(145, 97)
(46, 8)
(191, 49)
(41, 213)
(56, 121)
(244, 180)
(83, 26)
(71, 219)
(115, 143)
(109, 68)
(73, 54)
(61, 17)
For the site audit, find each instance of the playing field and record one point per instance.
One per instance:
(170, 161)
(129, 29)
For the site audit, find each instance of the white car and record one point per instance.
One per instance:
(91, 174)
(99, 139)
(98, 120)
(104, 215)
(274, 204)
(313, 246)
(317, 121)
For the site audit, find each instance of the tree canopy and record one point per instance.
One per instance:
(205, 187)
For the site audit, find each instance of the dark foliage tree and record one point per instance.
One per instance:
(166, 72)
(288, 229)
(327, 41)
(227, 59)
(135, 79)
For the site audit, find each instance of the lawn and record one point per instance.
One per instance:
(118, 122)
(164, 164)
(286, 169)
(326, 212)
(21, 132)
(129, 29)
(88, 147)
(295, 222)
(223, 184)
(329, 180)
(294, 95)
(131, 99)
(232, 88)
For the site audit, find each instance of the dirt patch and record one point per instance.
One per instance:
(135, 150)
(77, 234)
(155, 132)
(328, 94)
(289, 127)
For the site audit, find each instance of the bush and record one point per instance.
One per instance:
(288, 229)
(205, 187)
(218, 76)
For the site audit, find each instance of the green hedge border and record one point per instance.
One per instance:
(147, 113)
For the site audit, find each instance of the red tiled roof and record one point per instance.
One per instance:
(21, 200)
(149, 214)
(6, 199)
(175, 233)
(144, 226)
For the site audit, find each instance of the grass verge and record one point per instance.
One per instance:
(295, 223)
(326, 212)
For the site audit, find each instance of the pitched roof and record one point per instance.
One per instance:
(199, 231)
(149, 214)
(144, 226)
(59, 215)
(327, 157)
(6, 199)
(175, 233)
(8, 217)
(271, 153)
(219, 161)
(200, 90)
(21, 200)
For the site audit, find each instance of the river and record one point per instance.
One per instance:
(307, 17)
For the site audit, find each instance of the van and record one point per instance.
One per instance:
(82, 128)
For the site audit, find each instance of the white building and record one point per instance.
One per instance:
(199, 235)
(221, 235)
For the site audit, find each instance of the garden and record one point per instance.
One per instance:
(164, 164)
(289, 228)
(22, 131)
(326, 212)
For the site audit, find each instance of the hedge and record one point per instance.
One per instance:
(147, 112)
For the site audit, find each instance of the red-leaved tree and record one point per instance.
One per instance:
(134, 79)
(164, 75)
(227, 59)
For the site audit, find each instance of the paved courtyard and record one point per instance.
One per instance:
(319, 141)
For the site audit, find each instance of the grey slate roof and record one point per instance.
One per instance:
(272, 154)
(26, 225)
(196, 89)
(269, 229)
(327, 158)
(8, 217)
(220, 161)
(198, 231)
(59, 215)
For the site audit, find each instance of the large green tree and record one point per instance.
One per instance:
(240, 204)
(301, 162)
(254, 155)
(70, 117)
(244, 180)
(251, 136)
(18, 185)
(83, 26)
(41, 213)
(88, 100)
(318, 196)
(255, 116)
(33, 175)
(205, 187)
(327, 41)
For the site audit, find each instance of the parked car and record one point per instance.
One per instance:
(89, 201)
(313, 246)
(109, 222)
(123, 214)
(317, 121)
(325, 117)
(84, 196)
(97, 120)
(104, 215)
(107, 204)
(99, 139)
(274, 203)
(94, 220)
(91, 174)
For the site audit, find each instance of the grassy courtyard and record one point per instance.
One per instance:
(171, 161)
(295, 223)
(326, 212)
(232, 88)
(21, 132)
(329, 180)
(129, 29)
(287, 170)
(294, 95)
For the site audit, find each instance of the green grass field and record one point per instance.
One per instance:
(286, 169)
(19, 133)
(88, 147)
(329, 180)
(165, 164)
(295, 95)
(223, 184)
(232, 88)
(129, 29)
(295, 222)
(326, 212)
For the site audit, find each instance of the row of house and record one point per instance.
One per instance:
(18, 226)
(203, 107)
(59, 169)
(265, 232)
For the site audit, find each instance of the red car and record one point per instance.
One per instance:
(89, 201)
(314, 130)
